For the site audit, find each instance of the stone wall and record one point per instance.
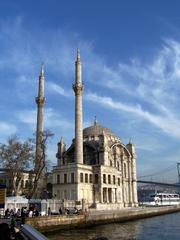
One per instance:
(52, 223)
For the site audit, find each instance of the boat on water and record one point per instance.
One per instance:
(163, 199)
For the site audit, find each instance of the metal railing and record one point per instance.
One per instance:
(31, 233)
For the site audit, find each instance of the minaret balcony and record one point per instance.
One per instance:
(40, 100)
(78, 87)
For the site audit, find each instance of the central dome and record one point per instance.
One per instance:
(97, 130)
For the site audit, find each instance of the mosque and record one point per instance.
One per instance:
(98, 167)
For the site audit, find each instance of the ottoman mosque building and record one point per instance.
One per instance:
(98, 167)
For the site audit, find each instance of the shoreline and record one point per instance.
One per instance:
(48, 224)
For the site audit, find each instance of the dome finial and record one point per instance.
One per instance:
(95, 120)
(130, 140)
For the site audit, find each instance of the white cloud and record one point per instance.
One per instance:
(27, 116)
(52, 119)
(166, 123)
(155, 82)
(150, 146)
(7, 129)
(55, 88)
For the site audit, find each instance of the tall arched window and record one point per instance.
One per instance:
(114, 156)
(125, 170)
(81, 177)
(58, 178)
(72, 177)
(118, 165)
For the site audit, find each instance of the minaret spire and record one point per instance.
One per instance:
(78, 88)
(42, 70)
(78, 54)
(78, 69)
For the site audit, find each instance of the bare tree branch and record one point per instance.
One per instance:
(39, 171)
(15, 156)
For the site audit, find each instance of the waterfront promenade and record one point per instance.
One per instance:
(164, 227)
(92, 218)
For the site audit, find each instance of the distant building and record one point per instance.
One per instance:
(24, 185)
(97, 168)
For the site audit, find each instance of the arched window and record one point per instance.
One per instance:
(81, 177)
(65, 177)
(109, 179)
(104, 178)
(72, 177)
(114, 179)
(114, 150)
(58, 178)
(90, 178)
(86, 178)
(118, 166)
(125, 171)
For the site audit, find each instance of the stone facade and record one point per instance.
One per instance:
(105, 173)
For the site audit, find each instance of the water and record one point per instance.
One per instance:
(156, 228)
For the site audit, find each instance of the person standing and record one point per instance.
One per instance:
(23, 215)
(60, 210)
(49, 211)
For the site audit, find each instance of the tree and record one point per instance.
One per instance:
(19, 157)
(16, 157)
(40, 161)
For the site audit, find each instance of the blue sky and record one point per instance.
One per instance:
(130, 52)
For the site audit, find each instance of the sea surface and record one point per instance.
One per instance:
(160, 228)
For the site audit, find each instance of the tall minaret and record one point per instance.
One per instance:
(40, 100)
(78, 88)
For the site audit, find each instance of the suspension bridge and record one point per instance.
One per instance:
(162, 172)
(146, 185)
